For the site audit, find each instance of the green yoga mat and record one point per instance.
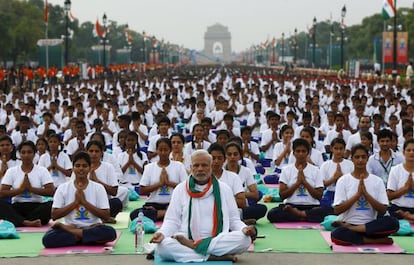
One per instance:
(159, 261)
(28, 245)
(405, 242)
(126, 243)
(289, 240)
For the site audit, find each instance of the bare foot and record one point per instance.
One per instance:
(184, 241)
(32, 223)
(340, 223)
(223, 258)
(69, 228)
(110, 220)
(249, 221)
(295, 211)
(382, 241)
(405, 215)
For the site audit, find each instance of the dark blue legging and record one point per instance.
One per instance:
(378, 228)
(101, 234)
(255, 211)
(314, 213)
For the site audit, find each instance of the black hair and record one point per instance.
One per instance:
(177, 134)
(338, 141)
(235, 144)
(81, 155)
(216, 147)
(163, 140)
(384, 133)
(300, 142)
(97, 143)
(406, 143)
(135, 135)
(8, 138)
(311, 131)
(29, 144)
(359, 147)
(283, 129)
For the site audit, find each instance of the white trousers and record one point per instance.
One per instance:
(235, 242)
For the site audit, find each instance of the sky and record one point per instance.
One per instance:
(184, 22)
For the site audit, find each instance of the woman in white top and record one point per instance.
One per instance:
(315, 156)
(400, 185)
(332, 170)
(8, 157)
(196, 143)
(104, 174)
(361, 201)
(132, 161)
(56, 161)
(159, 180)
(26, 185)
(253, 210)
(282, 150)
(177, 151)
(83, 204)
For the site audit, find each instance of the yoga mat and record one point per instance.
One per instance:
(82, 249)
(288, 240)
(40, 229)
(126, 243)
(297, 225)
(28, 245)
(405, 242)
(366, 248)
(122, 221)
(271, 185)
(159, 261)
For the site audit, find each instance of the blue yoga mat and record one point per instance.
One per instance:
(159, 261)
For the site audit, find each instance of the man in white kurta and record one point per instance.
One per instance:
(180, 234)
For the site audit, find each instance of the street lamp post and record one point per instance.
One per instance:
(314, 42)
(104, 20)
(295, 46)
(144, 47)
(283, 47)
(343, 13)
(67, 9)
(394, 53)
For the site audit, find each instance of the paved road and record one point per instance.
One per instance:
(249, 258)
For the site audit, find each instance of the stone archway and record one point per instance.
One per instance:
(217, 43)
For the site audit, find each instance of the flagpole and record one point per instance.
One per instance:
(47, 47)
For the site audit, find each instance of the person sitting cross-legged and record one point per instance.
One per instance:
(202, 221)
(83, 204)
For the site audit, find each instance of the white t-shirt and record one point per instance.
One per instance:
(232, 180)
(95, 194)
(73, 145)
(267, 138)
(396, 180)
(361, 212)
(62, 160)
(38, 177)
(131, 175)
(176, 173)
(301, 196)
(277, 151)
(328, 168)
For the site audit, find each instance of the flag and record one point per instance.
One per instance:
(274, 42)
(46, 14)
(154, 42)
(97, 32)
(71, 16)
(128, 36)
(388, 9)
(265, 44)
